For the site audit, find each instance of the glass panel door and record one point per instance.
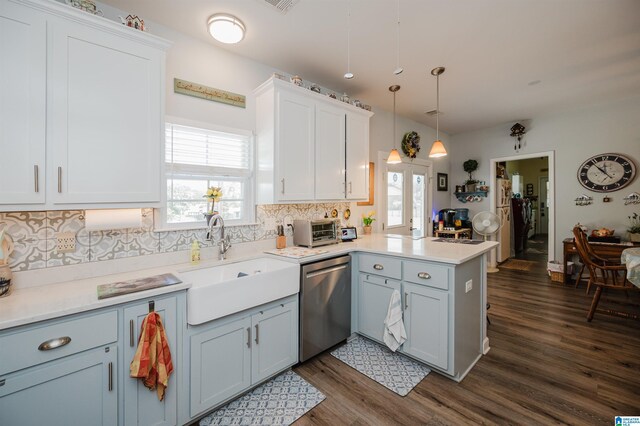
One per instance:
(418, 203)
(395, 198)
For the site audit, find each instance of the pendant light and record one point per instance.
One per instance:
(398, 69)
(394, 155)
(348, 75)
(437, 149)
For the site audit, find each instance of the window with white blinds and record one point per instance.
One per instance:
(198, 158)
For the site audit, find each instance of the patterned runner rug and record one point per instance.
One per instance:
(392, 370)
(280, 401)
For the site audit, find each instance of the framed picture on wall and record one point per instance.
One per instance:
(443, 182)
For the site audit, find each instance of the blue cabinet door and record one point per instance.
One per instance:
(75, 390)
(141, 405)
(426, 318)
(220, 364)
(374, 294)
(275, 340)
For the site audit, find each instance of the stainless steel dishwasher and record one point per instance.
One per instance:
(325, 305)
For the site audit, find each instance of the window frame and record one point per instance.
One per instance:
(160, 215)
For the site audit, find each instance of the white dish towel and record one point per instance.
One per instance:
(394, 332)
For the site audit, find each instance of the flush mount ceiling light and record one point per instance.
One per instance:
(348, 75)
(437, 149)
(394, 155)
(226, 28)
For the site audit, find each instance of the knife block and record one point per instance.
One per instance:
(281, 242)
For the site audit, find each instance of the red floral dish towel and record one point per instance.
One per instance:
(152, 361)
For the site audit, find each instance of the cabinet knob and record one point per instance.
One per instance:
(406, 301)
(378, 267)
(282, 181)
(110, 376)
(257, 335)
(424, 275)
(248, 337)
(36, 178)
(59, 179)
(58, 342)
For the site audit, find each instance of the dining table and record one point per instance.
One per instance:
(631, 258)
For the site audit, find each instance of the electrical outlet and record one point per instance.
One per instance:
(468, 286)
(65, 242)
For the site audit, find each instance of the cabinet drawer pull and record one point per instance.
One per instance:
(406, 301)
(2, 382)
(378, 267)
(54, 343)
(131, 334)
(257, 334)
(282, 180)
(59, 179)
(110, 376)
(248, 337)
(424, 275)
(36, 178)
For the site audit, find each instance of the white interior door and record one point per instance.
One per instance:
(406, 189)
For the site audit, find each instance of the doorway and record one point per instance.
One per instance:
(406, 197)
(535, 183)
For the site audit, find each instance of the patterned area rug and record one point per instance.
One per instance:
(518, 265)
(280, 401)
(392, 370)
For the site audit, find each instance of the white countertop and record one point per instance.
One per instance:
(38, 303)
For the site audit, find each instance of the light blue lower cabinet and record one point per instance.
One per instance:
(275, 338)
(230, 355)
(220, 364)
(374, 294)
(426, 319)
(141, 405)
(76, 390)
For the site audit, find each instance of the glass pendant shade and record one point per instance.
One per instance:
(394, 157)
(437, 150)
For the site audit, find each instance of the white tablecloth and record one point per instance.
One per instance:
(631, 257)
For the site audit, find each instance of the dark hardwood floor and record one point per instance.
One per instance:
(547, 365)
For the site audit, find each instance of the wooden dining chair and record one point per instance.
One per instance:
(601, 275)
(579, 234)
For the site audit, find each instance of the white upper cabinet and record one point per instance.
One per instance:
(303, 146)
(91, 99)
(357, 152)
(295, 126)
(329, 151)
(23, 75)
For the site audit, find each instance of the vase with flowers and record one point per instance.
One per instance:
(367, 220)
(634, 228)
(214, 193)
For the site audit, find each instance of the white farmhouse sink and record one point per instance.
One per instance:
(217, 291)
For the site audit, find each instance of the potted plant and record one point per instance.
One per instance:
(367, 220)
(634, 229)
(470, 166)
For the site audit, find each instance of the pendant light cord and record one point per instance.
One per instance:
(348, 37)
(394, 120)
(398, 40)
(438, 107)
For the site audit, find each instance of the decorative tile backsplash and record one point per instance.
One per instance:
(34, 234)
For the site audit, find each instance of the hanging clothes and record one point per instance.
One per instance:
(152, 361)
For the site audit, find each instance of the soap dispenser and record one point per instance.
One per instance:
(195, 252)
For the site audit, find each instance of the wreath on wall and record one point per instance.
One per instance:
(411, 144)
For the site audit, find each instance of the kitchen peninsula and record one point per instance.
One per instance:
(443, 286)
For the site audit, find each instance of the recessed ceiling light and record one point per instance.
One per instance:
(534, 82)
(226, 28)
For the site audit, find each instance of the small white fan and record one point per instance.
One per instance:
(487, 224)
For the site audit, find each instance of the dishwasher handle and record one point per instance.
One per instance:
(326, 270)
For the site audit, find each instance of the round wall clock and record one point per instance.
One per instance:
(606, 172)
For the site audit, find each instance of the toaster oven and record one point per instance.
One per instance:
(314, 233)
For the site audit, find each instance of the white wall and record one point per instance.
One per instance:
(574, 136)
(194, 60)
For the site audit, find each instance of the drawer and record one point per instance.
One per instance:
(381, 265)
(21, 349)
(428, 274)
